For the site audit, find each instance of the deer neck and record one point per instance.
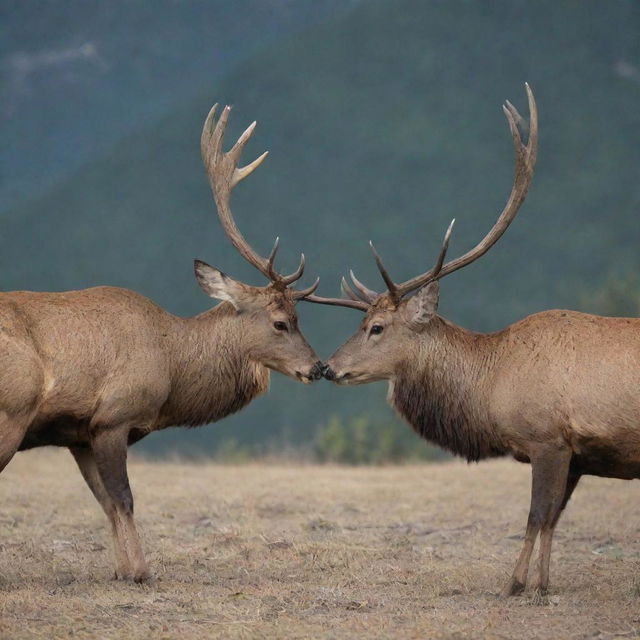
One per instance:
(212, 374)
(442, 390)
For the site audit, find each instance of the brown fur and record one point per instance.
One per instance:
(97, 369)
(559, 389)
(440, 397)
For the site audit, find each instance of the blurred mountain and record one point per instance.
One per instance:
(383, 123)
(76, 76)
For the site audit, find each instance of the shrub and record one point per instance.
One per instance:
(363, 440)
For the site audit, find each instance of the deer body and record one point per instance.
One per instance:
(133, 361)
(562, 378)
(559, 389)
(97, 369)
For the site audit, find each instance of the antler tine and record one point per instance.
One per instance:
(272, 257)
(237, 148)
(524, 165)
(532, 141)
(207, 128)
(303, 293)
(297, 274)
(443, 249)
(348, 291)
(338, 302)
(369, 295)
(217, 137)
(391, 285)
(242, 172)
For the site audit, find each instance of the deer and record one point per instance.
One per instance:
(98, 369)
(559, 390)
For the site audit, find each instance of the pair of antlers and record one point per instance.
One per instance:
(224, 174)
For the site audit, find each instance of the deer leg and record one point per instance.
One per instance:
(87, 464)
(518, 579)
(550, 468)
(109, 449)
(546, 536)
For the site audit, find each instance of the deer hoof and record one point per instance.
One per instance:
(539, 597)
(143, 577)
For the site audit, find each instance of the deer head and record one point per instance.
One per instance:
(275, 339)
(398, 324)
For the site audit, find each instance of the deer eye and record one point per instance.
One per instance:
(280, 326)
(376, 329)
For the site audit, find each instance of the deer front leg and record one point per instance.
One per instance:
(550, 468)
(87, 464)
(109, 449)
(546, 535)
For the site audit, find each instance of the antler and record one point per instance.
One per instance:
(224, 174)
(525, 163)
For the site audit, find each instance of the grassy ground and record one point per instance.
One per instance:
(266, 551)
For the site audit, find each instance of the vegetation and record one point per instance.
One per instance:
(361, 440)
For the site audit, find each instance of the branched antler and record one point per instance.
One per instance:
(525, 163)
(224, 174)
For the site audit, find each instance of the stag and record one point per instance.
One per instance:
(98, 369)
(559, 390)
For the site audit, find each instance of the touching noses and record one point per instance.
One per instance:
(314, 373)
(329, 373)
(318, 370)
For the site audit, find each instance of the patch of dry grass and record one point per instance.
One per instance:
(266, 551)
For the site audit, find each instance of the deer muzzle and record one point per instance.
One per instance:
(329, 373)
(315, 373)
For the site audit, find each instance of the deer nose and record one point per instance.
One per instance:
(317, 370)
(329, 373)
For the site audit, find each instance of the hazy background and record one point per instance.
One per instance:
(383, 121)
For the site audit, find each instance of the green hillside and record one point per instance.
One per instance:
(77, 76)
(382, 124)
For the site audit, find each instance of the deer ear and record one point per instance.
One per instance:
(423, 305)
(218, 285)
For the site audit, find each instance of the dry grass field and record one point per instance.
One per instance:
(279, 551)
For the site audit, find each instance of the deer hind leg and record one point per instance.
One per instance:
(109, 448)
(87, 464)
(550, 468)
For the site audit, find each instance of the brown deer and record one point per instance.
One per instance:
(98, 369)
(559, 389)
